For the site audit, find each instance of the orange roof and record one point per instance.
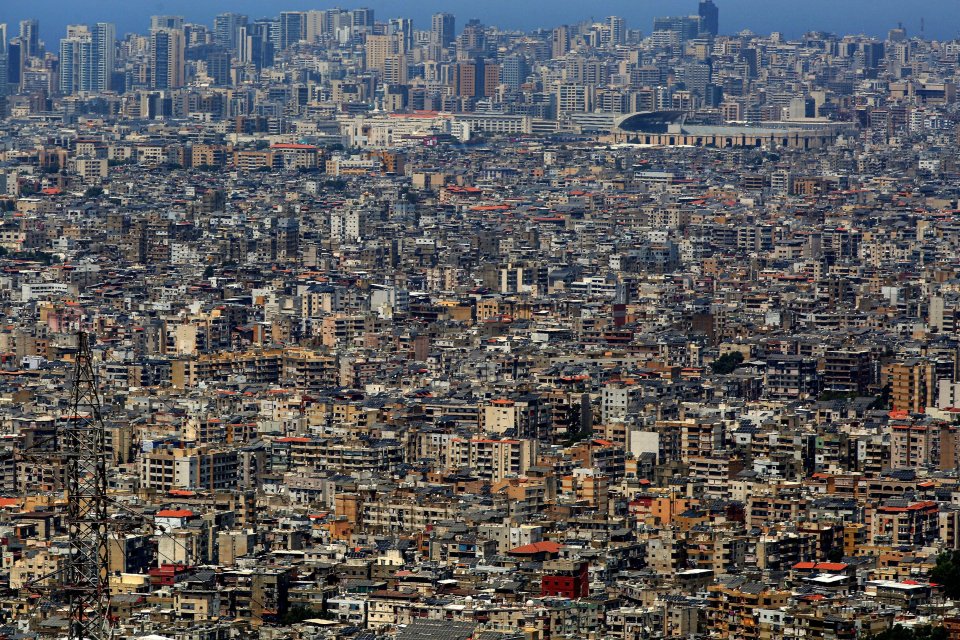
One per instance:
(9, 502)
(537, 547)
(832, 566)
(174, 513)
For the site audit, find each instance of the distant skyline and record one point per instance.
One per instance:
(873, 17)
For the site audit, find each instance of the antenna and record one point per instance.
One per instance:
(86, 580)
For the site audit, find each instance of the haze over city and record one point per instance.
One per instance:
(874, 17)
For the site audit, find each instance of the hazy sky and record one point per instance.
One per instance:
(942, 17)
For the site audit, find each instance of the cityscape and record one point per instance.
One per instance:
(334, 325)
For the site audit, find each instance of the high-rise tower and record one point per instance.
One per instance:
(30, 38)
(709, 18)
(166, 22)
(226, 29)
(166, 58)
(442, 29)
(87, 58)
(618, 29)
(292, 28)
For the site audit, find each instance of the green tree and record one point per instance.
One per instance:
(727, 363)
(827, 396)
(835, 554)
(946, 573)
(920, 632)
(296, 614)
(93, 192)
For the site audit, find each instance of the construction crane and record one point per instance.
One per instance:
(83, 449)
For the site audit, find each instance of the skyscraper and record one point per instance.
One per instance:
(30, 37)
(255, 44)
(560, 42)
(104, 56)
(87, 58)
(378, 47)
(71, 53)
(709, 18)
(477, 78)
(686, 27)
(292, 28)
(166, 58)
(166, 22)
(15, 62)
(472, 41)
(618, 29)
(514, 71)
(443, 29)
(218, 67)
(362, 19)
(341, 23)
(317, 25)
(226, 29)
(402, 27)
(4, 60)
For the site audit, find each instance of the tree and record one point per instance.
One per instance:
(297, 615)
(727, 363)
(93, 192)
(827, 396)
(920, 632)
(34, 256)
(835, 554)
(947, 573)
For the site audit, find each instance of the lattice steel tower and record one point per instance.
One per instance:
(85, 578)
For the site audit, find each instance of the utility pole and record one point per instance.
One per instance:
(85, 578)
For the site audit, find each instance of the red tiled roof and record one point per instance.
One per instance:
(537, 547)
(174, 513)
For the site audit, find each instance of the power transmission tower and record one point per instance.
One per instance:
(85, 577)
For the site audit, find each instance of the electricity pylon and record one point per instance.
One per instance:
(83, 447)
